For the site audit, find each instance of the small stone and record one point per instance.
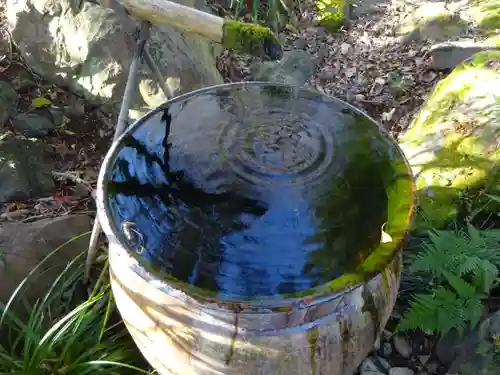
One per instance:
(8, 101)
(424, 359)
(359, 97)
(384, 362)
(387, 349)
(401, 371)
(300, 43)
(402, 346)
(32, 124)
(368, 367)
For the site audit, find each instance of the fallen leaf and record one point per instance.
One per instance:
(58, 198)
(337, 67)
(40, 102)
(387, 116)
(350, 72)
(12, 215)
(63, 149)
(344, 48)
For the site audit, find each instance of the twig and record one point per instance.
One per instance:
(72, 177)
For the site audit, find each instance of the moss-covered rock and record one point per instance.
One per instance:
(332, 13)
(453, 143)
(432, 21)
(485, 14)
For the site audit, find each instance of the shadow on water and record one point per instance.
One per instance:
(245, 193)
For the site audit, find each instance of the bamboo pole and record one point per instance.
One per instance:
(241, 37)
(178, 16)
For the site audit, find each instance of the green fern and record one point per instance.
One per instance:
(464, 265)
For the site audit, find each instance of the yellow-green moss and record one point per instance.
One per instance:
(486, 14)
(331, 13)
(452, 143)
(248, 38)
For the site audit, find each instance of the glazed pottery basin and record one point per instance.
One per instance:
(255, 228)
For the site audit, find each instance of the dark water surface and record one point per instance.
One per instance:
(247, 190)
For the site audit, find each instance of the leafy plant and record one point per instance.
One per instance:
(65, 332)
(462, 267)
(272, 12)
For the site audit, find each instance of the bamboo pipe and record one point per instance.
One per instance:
(238, 36)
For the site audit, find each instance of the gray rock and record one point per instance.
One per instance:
(25, 171)
(448, 55)
(401, 371)
(479, 351)
(24, 246)
(295, 68)
(8, 101)
(32, 124)
(368, 367)
(383, 362)
(90, 55)
(402, 346)
(448, 347)
(366, 7)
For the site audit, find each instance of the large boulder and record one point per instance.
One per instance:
(453, 143)
(84, 47)
(25, 246)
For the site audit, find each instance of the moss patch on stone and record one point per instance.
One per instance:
(486, 13)
(249, 38)
(331, 13)
(452, 145)
(433, 21)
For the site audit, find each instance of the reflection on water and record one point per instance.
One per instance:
(248, 191)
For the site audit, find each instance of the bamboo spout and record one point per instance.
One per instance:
(239, 36)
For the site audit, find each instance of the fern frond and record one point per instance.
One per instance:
(485, 276)
(461, 287)
(470, 265)
(441, 311)
(474, 309)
